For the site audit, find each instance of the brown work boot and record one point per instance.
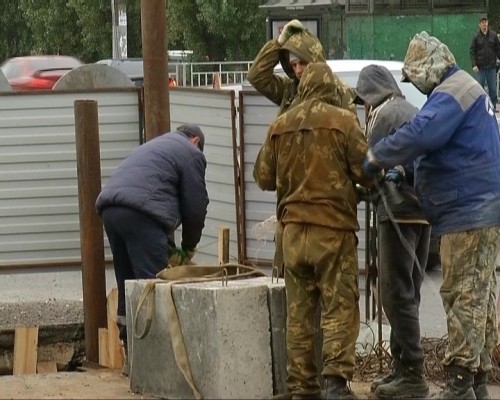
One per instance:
(336, 388)
(410, 383)
(480, 386)
(396, 368)
(458, 384)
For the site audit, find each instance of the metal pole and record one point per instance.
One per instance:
(91, 232)
(119, 18)
(155, 56)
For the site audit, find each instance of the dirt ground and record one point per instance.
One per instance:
(95, 384)
(110, 384)
(90, 384)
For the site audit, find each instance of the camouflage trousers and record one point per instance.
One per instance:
(321, 266)
(469, 296)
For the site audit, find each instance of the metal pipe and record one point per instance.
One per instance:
(155, 56)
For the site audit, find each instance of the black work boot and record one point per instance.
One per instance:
(480, 386)
(410, 383)
(458, 384)
(336, 388)
(396, 368)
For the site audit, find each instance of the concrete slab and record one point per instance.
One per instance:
(226, 334)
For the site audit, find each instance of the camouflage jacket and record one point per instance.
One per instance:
(282, 90)
(313, 156)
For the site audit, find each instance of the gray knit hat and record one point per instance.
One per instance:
(193, 131)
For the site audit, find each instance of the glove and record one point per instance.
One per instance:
(362, 193)
(181, 256)
(370, 167)
(292, 27)
(395, 175)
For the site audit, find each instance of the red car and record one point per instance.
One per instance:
(37, 72)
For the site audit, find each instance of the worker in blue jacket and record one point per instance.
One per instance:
(157, 187)
(455, 142)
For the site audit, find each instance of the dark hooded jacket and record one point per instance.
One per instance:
(388, 111)
(313, 155)
(164, 179)
(282, 90)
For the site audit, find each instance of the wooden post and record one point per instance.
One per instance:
(115, 356)
(103, 347)
(223, 245)
(155, 56)
(25, 350)
(91, 231)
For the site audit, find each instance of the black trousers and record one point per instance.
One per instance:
(139, 247)
(401, 280)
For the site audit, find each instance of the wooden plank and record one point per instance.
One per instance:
(103, 347)
(25, 350)
(46, 367)
(115, 356)
(223, 245)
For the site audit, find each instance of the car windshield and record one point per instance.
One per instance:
(410, 92)
(12, 69)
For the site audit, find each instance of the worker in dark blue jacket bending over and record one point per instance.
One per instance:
(158, 187)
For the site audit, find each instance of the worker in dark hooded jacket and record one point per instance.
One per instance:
(455, 141)
(401, 269)
(295, 47)
(159, 186)
(312, 157)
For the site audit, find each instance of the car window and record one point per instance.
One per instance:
(51, 63)
(13, 69)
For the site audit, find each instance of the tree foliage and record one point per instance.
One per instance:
(54, 27)
(217, 29)
(15, 35)
(214, 29)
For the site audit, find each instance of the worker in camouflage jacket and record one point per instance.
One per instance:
(312, 157)
(294, 49)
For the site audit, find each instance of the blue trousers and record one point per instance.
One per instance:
(139, 247)
(488, 76)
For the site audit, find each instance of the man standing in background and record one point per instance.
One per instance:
(484, 51)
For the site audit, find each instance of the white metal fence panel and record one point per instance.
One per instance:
(39, 212)
(214, 112)
(258, 206)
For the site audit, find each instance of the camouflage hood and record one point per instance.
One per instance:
(305, 45)
(318, 82)
(318, 90)
(426, 62)
(375, 84)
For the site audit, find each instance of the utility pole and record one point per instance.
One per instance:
(155, 58)
(119, 16)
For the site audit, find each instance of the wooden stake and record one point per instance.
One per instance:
(115, 359)
(25, 350)
(103, 347)
(223, 245)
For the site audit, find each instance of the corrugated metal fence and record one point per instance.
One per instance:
(39, 215)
